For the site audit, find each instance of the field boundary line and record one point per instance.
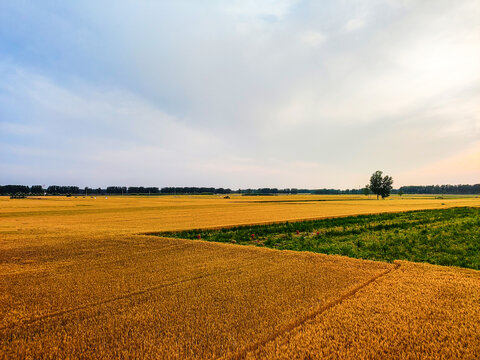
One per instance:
(294, 325)
(294, 220)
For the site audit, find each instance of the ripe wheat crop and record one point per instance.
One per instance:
(418, 311)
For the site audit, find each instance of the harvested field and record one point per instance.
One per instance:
(78, 280)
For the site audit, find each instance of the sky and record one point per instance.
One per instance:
(239, 93)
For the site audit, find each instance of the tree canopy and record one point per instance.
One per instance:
(380, 185)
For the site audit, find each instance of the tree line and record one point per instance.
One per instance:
(11, 190)
(136, 190)
(441, 189)
(109, 190)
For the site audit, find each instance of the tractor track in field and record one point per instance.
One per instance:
(37, 319)
(97, 263)
(295, 325)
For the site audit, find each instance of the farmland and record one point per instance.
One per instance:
(443, 236)
(79, 278)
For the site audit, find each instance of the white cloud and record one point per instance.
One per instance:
(354, 24)
(259, 8)
(113, 134)
(313, 38)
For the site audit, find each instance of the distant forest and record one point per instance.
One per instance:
(11, 190)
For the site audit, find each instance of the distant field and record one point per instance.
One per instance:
(79, 279)
(127, 215)
(448, 237)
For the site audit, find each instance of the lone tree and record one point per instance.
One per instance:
(380, 185)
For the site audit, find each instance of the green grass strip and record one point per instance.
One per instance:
(448, 237)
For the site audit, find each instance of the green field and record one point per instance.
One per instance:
(448, 237)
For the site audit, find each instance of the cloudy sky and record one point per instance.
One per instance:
(239, 93)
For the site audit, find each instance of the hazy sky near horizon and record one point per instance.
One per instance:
(264, 93)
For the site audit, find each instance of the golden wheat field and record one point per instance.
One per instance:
(78, 279)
